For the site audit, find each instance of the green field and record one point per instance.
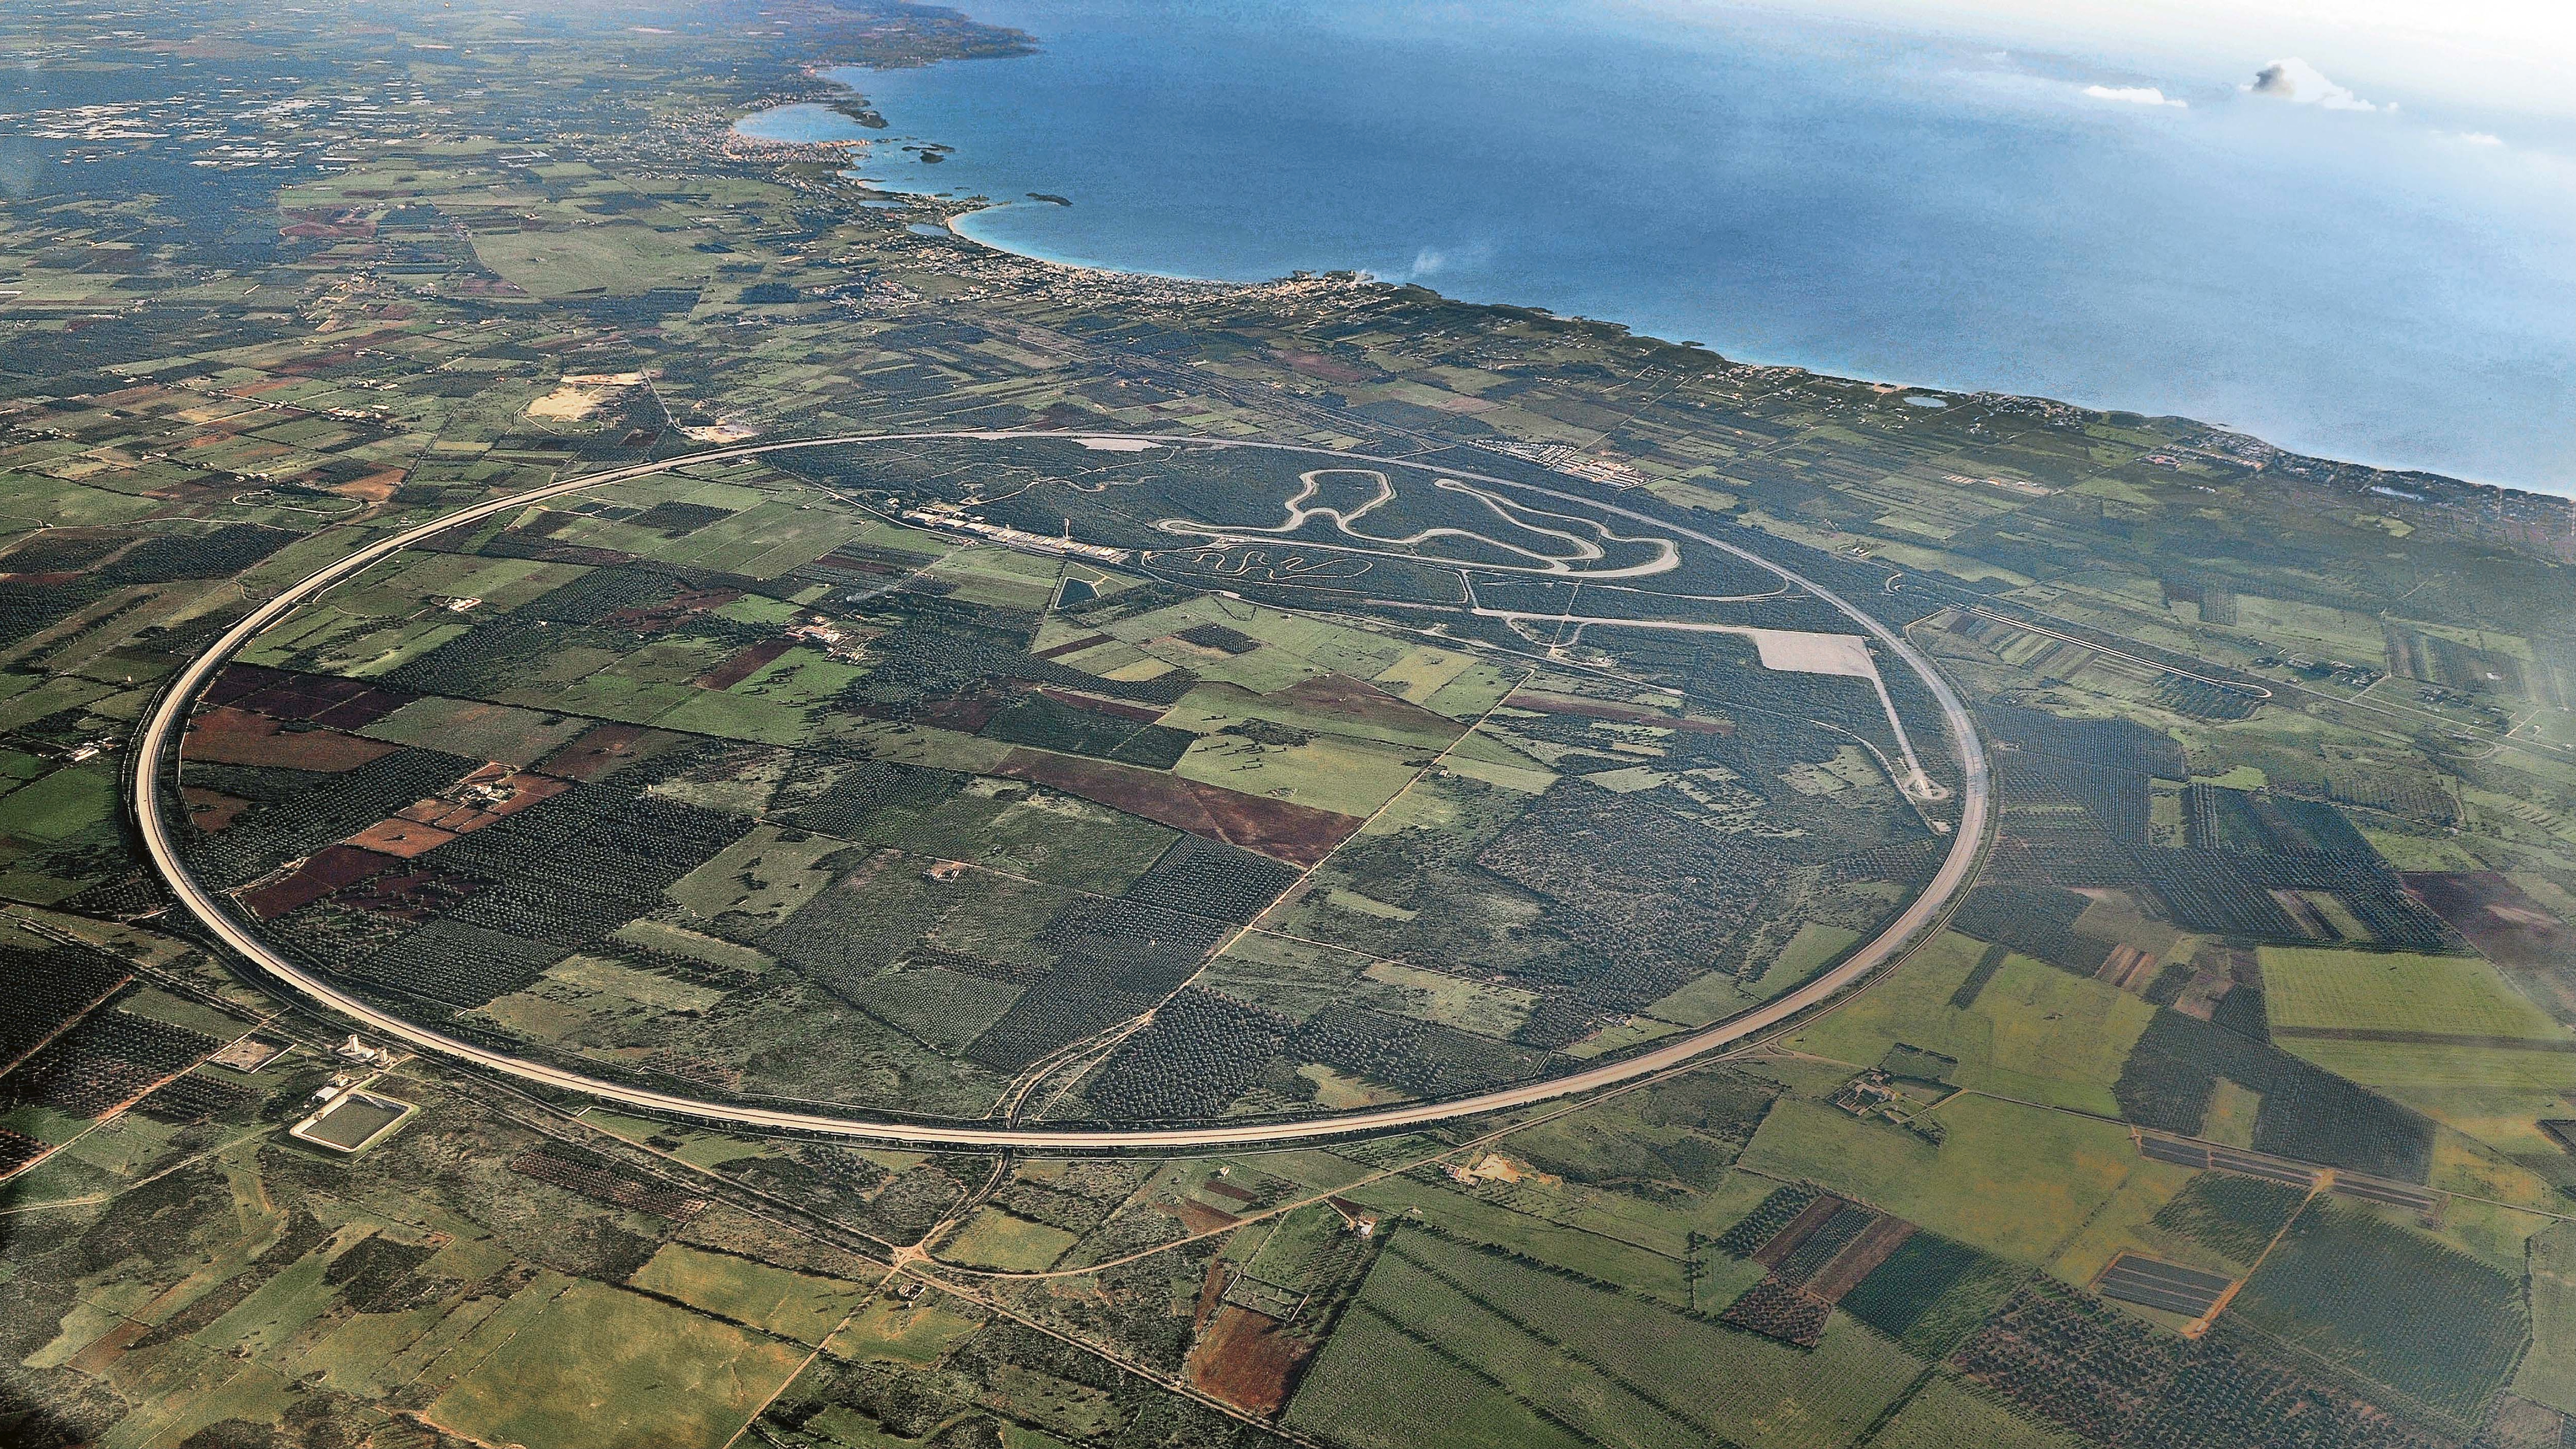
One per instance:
(1380, 1386)
(890, 1330)
(2013, 1180)
(1346, 776)
(1476, 1006)
(2548, 1372)
(1629, 1372)
(762, 878)
(617, 259)
(600, 1366)
(1946, 1413)
(1932, 1294)
(579, 995)
(2451, 1036)
(791, 1305)
(996, 1239)
(2035, 1033)
(481, 731)
(61, 805)
(1813, 946)
(2390, 1304)
(2390, 991)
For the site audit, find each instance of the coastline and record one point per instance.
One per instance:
(953, 212)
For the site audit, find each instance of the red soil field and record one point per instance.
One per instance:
(1072, 646)
(1198, 1217)
(2493, 912)
(488, 794)
(211, 810)
(1211, 1293)
(327, 870)
(604, 748)
(1357, 699)
(1245, 1360)
(347, 704)
(745, 663)
(1298, 834)
(402, 839)
(228, 736)
(237, 680)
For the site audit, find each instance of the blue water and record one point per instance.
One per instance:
(2359, 285)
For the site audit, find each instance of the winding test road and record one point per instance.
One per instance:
(157, 742)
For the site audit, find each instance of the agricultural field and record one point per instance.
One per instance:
(1646, 1376)
(2029, 1032)
(2011, 1180)
(2384, 1302)
(959, 846)
(1945, 1413)
(677, 1375)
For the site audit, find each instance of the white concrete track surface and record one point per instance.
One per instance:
(163, 728)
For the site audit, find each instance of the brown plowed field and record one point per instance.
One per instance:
(1073, 646)
(1800, 1228)
(2511, 927)
(745, 663)
(401, 838)
(1245, 1360)
(283, 694)
(211, 810)
(1298, 834)
(604, 747)
(1357, 699)
(229, 736)
(1198, 1217)
(1875, 1245)
(327, 870)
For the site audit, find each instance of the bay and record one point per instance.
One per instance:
(2385, 286)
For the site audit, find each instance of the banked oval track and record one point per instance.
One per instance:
(164, 725)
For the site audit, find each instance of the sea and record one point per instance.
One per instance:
(2374, 278)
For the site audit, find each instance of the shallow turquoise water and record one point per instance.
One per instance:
(2365, 286)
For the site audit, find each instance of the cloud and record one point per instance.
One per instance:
(2297, 81)
(1432, 261)
(2136, 96)
(2475, 138)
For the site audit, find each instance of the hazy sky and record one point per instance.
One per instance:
(2498, 55)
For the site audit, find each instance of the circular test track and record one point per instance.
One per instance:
(155, 745)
